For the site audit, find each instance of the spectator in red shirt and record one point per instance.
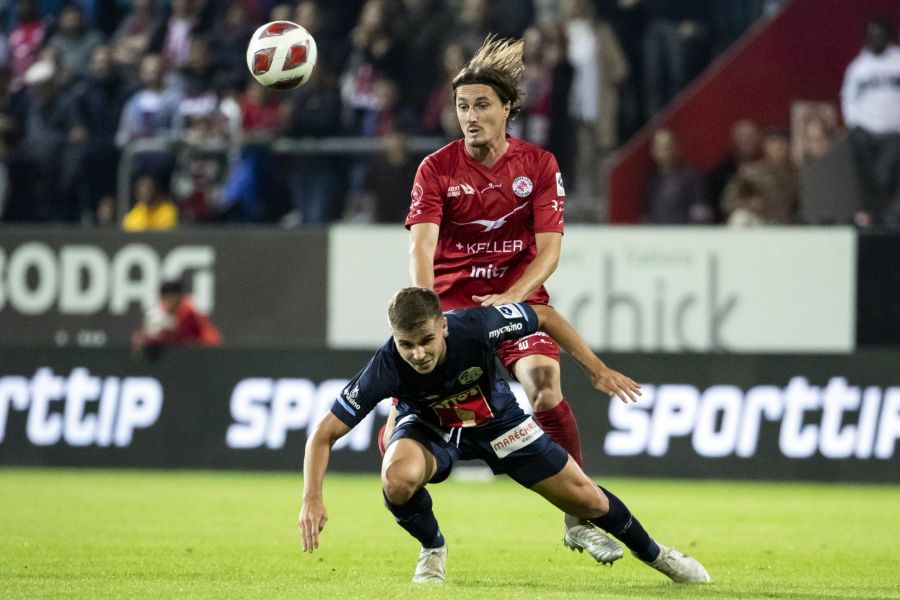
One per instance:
(174, 322)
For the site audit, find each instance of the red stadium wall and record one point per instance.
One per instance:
(800, 54)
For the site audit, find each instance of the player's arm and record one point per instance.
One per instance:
(423, 239)
(548, 245)
(602, 377)
(318, 450)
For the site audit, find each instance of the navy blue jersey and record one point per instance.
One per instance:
(463, 391)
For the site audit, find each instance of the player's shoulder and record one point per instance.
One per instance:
(531, 155)
(445, 156)
(526, 148)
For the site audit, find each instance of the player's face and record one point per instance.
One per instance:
(482, 116)
(423, 348)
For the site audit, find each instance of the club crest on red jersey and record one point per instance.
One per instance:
(522, 186)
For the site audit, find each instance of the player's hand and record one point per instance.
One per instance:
(614, 383)
(313, 517)
(496, 299)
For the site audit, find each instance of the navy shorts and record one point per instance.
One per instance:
(515, 446)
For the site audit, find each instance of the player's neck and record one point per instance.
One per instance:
(489, 154)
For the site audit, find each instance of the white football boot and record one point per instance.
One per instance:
(679, 567)
(583, 535)
(430, 566)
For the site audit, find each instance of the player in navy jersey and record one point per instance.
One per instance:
(452, 405)
(486, 227)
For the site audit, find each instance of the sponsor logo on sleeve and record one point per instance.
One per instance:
(560, 190)
(516, 438)
(417, 192)
(510, 311)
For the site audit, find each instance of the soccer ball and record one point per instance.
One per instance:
(281, 55)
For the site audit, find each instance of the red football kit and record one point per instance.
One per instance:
(488, 219)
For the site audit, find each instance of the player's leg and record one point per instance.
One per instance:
(540, 377)
(573, 492)
(414, 457)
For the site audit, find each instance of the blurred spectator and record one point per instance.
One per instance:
(676, 195)
(73, 42)
(422, 29)
(626, 17)
(316, 181)
(173, 40)
(746, 147)
(388, 179)
(440, 98)
(149, 113)
(375, 53)
(200, 123)
(133, 35)
(249, 189)
(231, 33)
(547, 81)
(871, 105)
(332, 45)
(474, 22)
(47, 120)
(25, 40)
(813, 125)
(561, 129)
(766, 190)
(173, 322)
(599, 71)
(517, 16)
(98, 102)
(674, 47)
(151, 209)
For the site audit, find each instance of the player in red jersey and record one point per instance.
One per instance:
(486, 224)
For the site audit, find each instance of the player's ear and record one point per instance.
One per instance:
(444, 329)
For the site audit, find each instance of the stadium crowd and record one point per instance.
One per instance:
(81, 80)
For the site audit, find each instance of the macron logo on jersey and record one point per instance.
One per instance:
(493, 225)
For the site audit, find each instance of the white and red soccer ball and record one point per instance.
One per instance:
(281, 55)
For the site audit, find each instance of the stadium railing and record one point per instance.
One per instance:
(328, 146)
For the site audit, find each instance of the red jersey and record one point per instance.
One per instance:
(488, 217)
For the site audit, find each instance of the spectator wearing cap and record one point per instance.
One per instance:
(870, 100)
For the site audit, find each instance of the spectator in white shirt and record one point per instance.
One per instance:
(870, 100)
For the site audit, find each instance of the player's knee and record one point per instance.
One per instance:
(399, 484)
(545, 399)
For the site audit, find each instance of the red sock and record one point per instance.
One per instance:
(559, 423)
(381, 447)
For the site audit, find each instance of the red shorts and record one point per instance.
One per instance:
(537, 343)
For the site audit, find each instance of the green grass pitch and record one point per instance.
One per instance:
(127, 534)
